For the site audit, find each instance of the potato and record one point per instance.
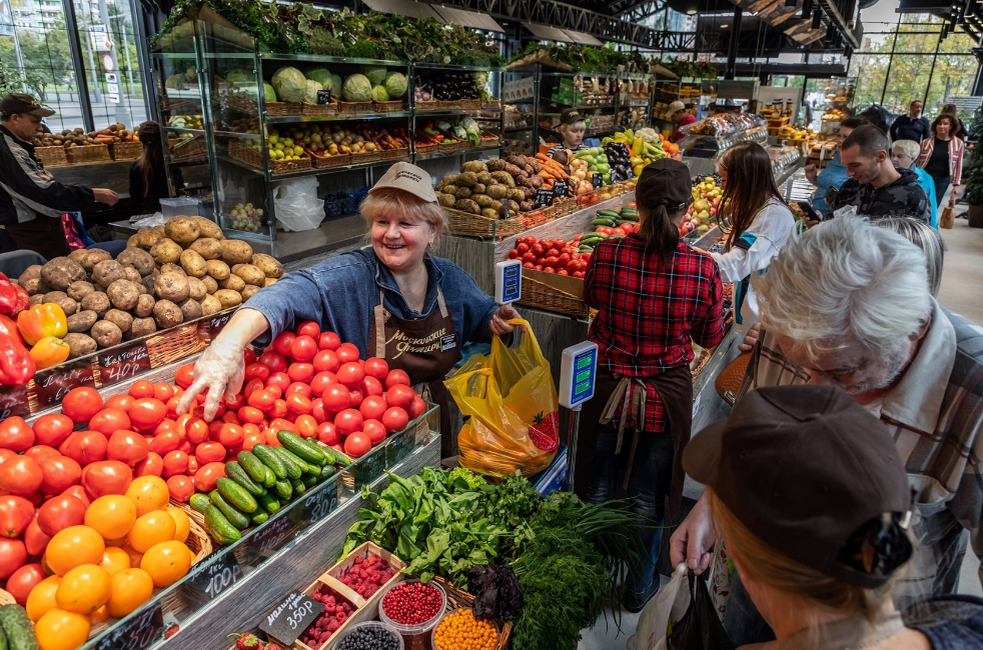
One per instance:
(147, 237)
(208, 228)
(32, 272)
(193, 264)
(92, 257)
(149, 281)
(123, 294)
(106, 272)
(191, 309)
(141, 327)
(172, 268)
(37, 299)
(270, 281)
(82, 321)
(167, 314)
(211, 286)
(106, 334)
(132, 275)
(268, 264)
(228, 298)
(233, 282)
(61, 298)
(36, 286)
(235, 251)
(196, 289)
(166, 251)
(173, 287)
(210, 305)
(145, 305)
(208, 248)
(120, 318)
(61, 272)
(80, 289)
(249, 291)
(78, 255)
(250, 274)
(137, 258)
(181, 229)
(133, 241)
(217, 269)
(98, 302)
(80, 345)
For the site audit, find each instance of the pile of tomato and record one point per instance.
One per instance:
(551, 256)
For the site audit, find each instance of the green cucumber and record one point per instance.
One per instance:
(253, 466)
(270, 478)
(199, 502)
(606, 212)
(272, 460)
(3, 640)
(236, 495)
(286, 454)
(17, 628)
(236, 517)
(235, 472)
(268, 503)
(309, 480)
(307, 450)
(293, 469)
(259, 517)
(602, 221)
(219, 527)
(337, 458)
(298, 486)
(283, 489)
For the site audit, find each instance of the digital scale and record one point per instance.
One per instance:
(578, 376)
(508, 281)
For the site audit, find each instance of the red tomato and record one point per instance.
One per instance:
(328, 341)
(152, 465)
(192, 465)
(53, 428)
(16, 434)
(356, 396)
(185, 376)
(372, 408)
(400, 395)
(175, 462)
(206, 476)
(235, 403)
(58, 473)
(372, 386)
(127, 447)
(141, 388)
(20, 475)
(347, 422)
(279, 409)
(164, 443)
(163, 392)
(376, 367)
(418, 407)
(85, 447)
(347, 352)
(320, 413)
(395, 419)
(256, 371)
(307, 426)
(299, 404)
(58, 513)
(282, 343)
(79, 493)
(13, 555)
(6, 453)
(230, 417)
(34, 539)
(251, 415)
(279, 380)
(40, 452)
(300, 372)
(252, 436)
(171, 406)
(328, 434)
(321, 381)
(351, 375)
(562, 272)
(300, 387)
(231, 435)
(108, 420)
(336, 398)
(120, 402)
(147, 413)
(197, 431)
(275, 391)
(23, 580)
(180, 487)
(357, 444)
(303, 348)
(210, 452)
(397, 377)
(326, 360)
(375, 430)
(273, 360)
(105, 477)
(309, 328)
(251, 387)
(262, 400)
(16, 514)
(279, 424)
(81, 404)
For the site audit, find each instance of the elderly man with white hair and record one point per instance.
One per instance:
(848, 303)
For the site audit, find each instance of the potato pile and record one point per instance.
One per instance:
(79, 138)
(481, 187)
(168, 274)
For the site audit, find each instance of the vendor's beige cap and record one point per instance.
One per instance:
(674, 107)
(409, 178)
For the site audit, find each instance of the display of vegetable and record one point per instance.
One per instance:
(17, 366)
(289, 84)
(644, 146)
(452, 86)
(357, 88)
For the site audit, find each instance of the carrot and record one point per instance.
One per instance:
(544, 158)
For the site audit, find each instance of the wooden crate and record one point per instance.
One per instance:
(557, 293)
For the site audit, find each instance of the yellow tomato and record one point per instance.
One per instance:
(42, 598)
(59, 629)
(84, 589)
(131, 588)
(99, 616)
(73, 546)
(114, 560)
(112, 516)
(148, 493)
(150, 529)
(166, 563)
(182, 523)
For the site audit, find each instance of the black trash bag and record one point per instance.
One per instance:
(699, 628)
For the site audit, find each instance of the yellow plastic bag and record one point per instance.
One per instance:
(511, 398)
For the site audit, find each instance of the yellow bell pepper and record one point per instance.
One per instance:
(39, 321)
(49, 351)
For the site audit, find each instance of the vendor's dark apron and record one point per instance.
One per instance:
(426, 348)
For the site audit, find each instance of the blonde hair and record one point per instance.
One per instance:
(765, 565)
(390, 201)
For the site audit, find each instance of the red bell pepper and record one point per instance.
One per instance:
(13, 298)
(17, 367)
(41, 321)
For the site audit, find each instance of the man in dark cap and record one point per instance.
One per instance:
(31, 201)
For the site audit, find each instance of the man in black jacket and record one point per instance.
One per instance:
(911, 126)
(31, 201)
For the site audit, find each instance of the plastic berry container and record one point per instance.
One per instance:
(416, 637)
(448, 613)
(375, 625)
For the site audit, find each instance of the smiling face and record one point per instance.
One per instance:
(851, 367)
(943, 127)
(863, 169)
(400, 241)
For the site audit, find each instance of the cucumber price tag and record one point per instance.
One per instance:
(137, 632)
(322, 503)
(291, 617)
(214, 575)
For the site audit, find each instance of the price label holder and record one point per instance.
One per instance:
(214, 576)
(508, 281)
(14, 401)
(321, 503)
(137, 632)
(209, 328)
(324, 97)
(578, 376)
(52, 385)
(271, 536)
(291, 617)
(544, 198)
(597, 180)
(122, 363)
(560, 189)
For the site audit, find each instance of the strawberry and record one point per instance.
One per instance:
(273, 646)
(545, 431)
(250, 641)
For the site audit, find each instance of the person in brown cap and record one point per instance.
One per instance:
(678, 114)
(31, 201)
(654, 294)
(810, 495)
(392, 300)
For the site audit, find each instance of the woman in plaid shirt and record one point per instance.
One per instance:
(653, 293)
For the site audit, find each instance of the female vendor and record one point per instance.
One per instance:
(392, 300)
(572, 127)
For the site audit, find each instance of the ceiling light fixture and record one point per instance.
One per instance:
(691, 12)
(725, 26)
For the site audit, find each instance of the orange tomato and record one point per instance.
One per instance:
(182, 523)
(99, 616)
(42, 598)
(114, 560)
(84, 589)
(72, 547)
(112, 516)
(134, 555)
(59, 629)
(148, 493)
(131, 588)
(167, 563)
(152, 528)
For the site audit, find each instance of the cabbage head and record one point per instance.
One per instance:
(357, 89)
(376, 74)
(310, 94)
(395, 84)
(268, 92)
(335, 85)
(322, 76)
(379, 94)
(239, 76)
(290, 84)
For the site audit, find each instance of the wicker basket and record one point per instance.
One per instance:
(196, 517)
(493, 141)
(392, 154)
(423, 106)
(282, 109)
(470, 104)
(198, 541)
(174, 344)
(125, 150)
(545, 296)
(494, 104)
(253, 158)
(287, 166)
(89, 153)
(475, 225)
(394, 106)
(320, 109)
(369, 156)
(182, 150)
(352, 108)
(457, 599)
(327, 162)
(51, 156)
(6, 598)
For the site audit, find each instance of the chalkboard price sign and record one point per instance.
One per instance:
(119, 365)
(136, 633)
(291, 617)
(560, 189)
(543, 198)
(322, 503)
(324, 97)
(14, 401)
(52, 385)
(214, 575)
(597, 180)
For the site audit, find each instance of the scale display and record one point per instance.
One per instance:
(578, 374)
(508, 281)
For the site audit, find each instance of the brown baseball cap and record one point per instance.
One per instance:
(809, 471)
(23, 103)
(664, 181)
(409, 178)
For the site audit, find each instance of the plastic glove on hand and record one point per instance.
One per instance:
(220, 369)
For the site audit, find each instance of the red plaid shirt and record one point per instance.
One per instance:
(647, 314)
